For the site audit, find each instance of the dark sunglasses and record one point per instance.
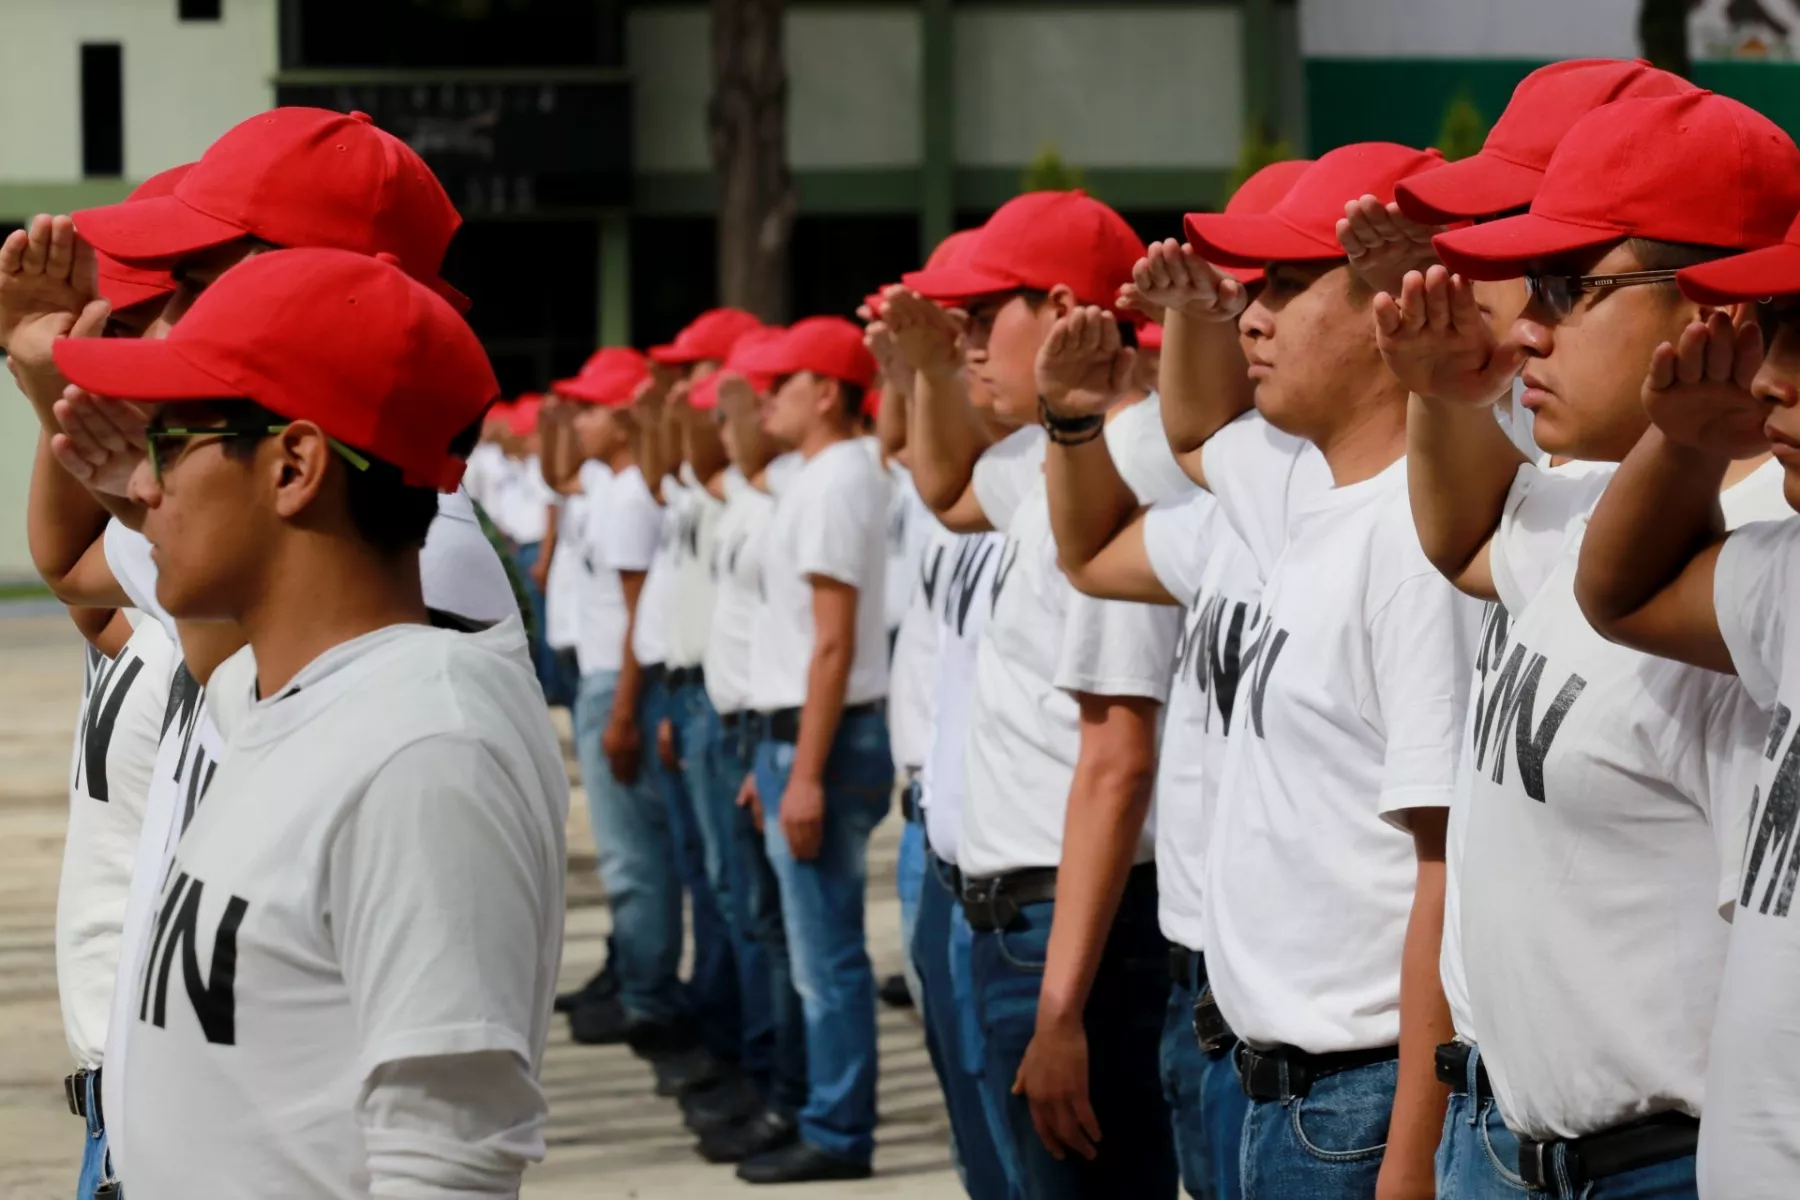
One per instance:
(1558, 293)
(155, 436)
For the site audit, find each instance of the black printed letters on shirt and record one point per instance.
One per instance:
(112, 684)
(214, 998)
(1771, 835)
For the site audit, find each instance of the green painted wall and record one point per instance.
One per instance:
(1403, 100)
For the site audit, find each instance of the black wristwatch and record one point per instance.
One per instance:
(1069, 431)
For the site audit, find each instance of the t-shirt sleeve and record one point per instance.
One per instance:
(1140, 451)
(833, 538)
(439, 890)
(1005, 473)
(1117, 648)
(1756, 578)
(457, 1126)
(1262, 477)
(1422, 650)
(1727, 739)
(128, 554)
(1544, 509)
(628, 527)
(1179, 536)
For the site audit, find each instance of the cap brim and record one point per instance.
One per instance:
(461, 303)
(667, 356)
(1479, 186)
(1503, 249)
(138, 369)
(1759, 275)
(153, 232)
(123, 293)
(949, 285)
(1252, 239)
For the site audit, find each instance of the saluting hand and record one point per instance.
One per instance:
(1699, 390)
(1171, 275)
(102, 441)
(1084, 367)
(48, 278)
(1436, 341)
(925, 335)
(1384, 243)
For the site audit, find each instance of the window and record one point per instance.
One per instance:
(199, 10)
(102, 109)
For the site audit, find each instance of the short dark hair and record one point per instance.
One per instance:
(853, 398)
(1653, 255)
(389, 513)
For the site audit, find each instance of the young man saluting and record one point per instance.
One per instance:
(375, 890)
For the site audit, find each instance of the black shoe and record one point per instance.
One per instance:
(731, 1101)
(799, 1163)
(655, 1040)
(894, 992)
(692, 1071)
(599, 1023)
(603, 986)
(763, 1133)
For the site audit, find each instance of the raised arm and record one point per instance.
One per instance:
(943, 431)
(1460, 464)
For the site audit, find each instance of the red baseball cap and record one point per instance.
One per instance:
(828, 346)
(705, 394)
(1259, 194)
(1759, 275)
(709, 337)
(1302, 225)
(1697, 168)
(346, 340)
(609, 377)
(1510, 167)
(295, 177)
(125, 286)
(522, 414)
(1037, 241)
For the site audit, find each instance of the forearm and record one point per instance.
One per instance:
(1089, 501)
(652, 450)
(827, 678)
(1109, 800)
(1419, 1099)
(63, 520)
(891, 418)
(945, 438)
(631, 675)
(1658, 512)
(1203, 382)
(1460, 465)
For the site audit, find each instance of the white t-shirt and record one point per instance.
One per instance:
(1750, 1139)
(485, 473)
(829, 520)
(376, 879)
(460, 569)
(962, 596)
(1590, 877)
(128, 554)
(914, 667)
(1140, 451)
(621, 529)
(1043, 643)
(650, 633)
(109, 779)
(694, 525)
(1349, 713)
(737, 578)
(910, 528)
(522, 502)
(1201, 562)
(562, 590)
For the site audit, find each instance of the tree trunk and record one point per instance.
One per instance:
(747, 121)
(1663, 34)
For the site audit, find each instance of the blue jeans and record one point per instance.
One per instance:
(822, 905)
(96, 1163)
(636, 864)
(1672, 1180)
(712, 988)
(1124, 1022)
(714, 773)
(1478, 1156)
(909, 880)
(953, 1038)
(1206, 1102)
(1327, 1146)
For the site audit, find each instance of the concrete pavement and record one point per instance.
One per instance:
(609, 1136)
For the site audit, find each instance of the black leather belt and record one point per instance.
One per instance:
(783, 725)
(1452, 1060)
(681, 677)
(1182, 962)
(947, 873)
(994, 903)
(910, 808)
(1289, 1073)
(1614, 1151)
(733, 722)
(75, 1090)
(652, 673)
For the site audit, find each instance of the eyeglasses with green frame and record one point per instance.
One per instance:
(1558, 293)
(156, 435)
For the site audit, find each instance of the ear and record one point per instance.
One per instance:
(300, 458)
(1062, 300)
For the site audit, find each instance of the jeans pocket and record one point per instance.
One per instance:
(1500, 1145)
(1345, 1119)
(1024, 949)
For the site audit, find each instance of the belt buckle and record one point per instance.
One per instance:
(1534, 1162)
(72, 1093)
